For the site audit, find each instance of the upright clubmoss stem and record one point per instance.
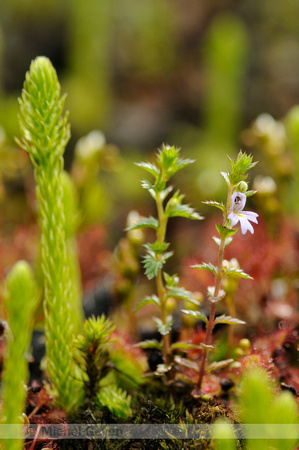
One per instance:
(45, 132)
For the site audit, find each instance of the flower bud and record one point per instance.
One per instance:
(90, 147)
(238, 352)
(242, 187)
(234, 264)
(244, 344)
(135, 236)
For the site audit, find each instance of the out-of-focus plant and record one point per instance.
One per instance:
(226, 60)
(277, 142)
(275, 414)
(20, 300)
(9, 105)
(94, 364)
(168, 162)
(148, 32)
(223, 435)
(232, 215)
(225, 63)
(90, 32)
(127, 267)
(274, 141)
(92, 158)
(45, 133)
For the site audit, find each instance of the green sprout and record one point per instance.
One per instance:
(45, 132)
(20, 301)
(169, 204)
(232, 214)
(94, 364)
(265, 412)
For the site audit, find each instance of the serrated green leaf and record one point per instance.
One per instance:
(237, 273)
(196, 314)
(151, 266)
(184, 346)
(219, 365)
(186, 363)
(218, 241)
(164, 193)
(149, 167)
(169, 161)
(164, 328)
(226, 177)
(185, 211)
(211, 296)
(175, 208)
(206, 266)
(194, 301)
(240, 167)
(145, 222)
(180, 292)
(162, 369)
(150, 343)
(206, 346)
(145, 184)
(250, 193)
(154, 262)
(157, 247)
(161, 188)
(150, 300)
(216, 204)
(225, 232)
(171, 281)
(228, 320)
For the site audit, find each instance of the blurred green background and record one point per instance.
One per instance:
(189, 73)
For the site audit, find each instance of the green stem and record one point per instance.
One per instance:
(218, 279)
(159, 280)
(232, 312)
(162, 219)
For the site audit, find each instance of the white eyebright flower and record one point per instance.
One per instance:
(238, 215)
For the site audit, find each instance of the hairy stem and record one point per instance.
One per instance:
(218, 279)
(159, 280)
(232, 312)
(210, 325)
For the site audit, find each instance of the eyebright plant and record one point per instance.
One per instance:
(232, 215)
(169, 204)
(20, 301)
(45, 132)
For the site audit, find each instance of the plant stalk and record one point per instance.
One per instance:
(159, 280)
(210, 325)
(230, 337)
(218, 279)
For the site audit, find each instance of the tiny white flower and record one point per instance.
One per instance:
(238, 215)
